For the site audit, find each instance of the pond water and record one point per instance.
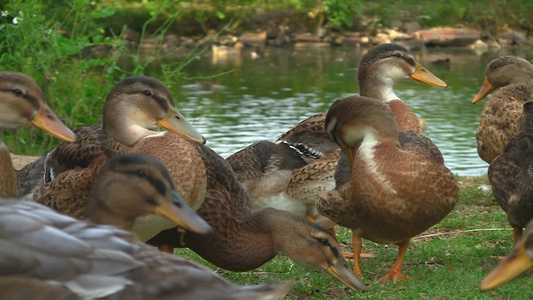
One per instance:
(265, 93)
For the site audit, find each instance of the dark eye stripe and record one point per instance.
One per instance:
(30, 99)
(158, 185)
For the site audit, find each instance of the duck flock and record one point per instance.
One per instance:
(83, 221)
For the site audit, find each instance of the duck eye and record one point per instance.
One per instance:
(147, 93)
(18, 92)
(323, 241)
(398, 54)
(141, 173)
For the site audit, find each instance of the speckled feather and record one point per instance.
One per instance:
(511, 175)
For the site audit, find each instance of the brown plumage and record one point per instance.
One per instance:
(118, 191)
(134, 108)
(22, 104)
(511, 175)
(52, 256)
(398, 187)
(243, 239)
(499, 119)
(380, 68)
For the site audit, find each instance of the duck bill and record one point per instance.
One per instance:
(423, 75)
(348, 152)
(344, 274)
(176, 123)
(48, 122)
(178, 211)
(486, 88)
(513, 265)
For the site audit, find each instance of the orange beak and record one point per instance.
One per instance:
(47, 121)
(175, 122)
(423, 75)
(486, 88)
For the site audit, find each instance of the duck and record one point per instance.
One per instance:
(54, 256)
(510, 175)
(119, 190)
(379, 70)
(22, 104)
(399, 185)
(517, 262)
(244, 239)
(498, 123)
(134, 108)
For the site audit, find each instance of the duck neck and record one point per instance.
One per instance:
(406, 119)
(98, 213)
(127, 125)
(522, 90)
(8, 179)
(243, 245)
(368, 157)
(377, 88)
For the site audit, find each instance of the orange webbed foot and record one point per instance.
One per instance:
(395, 276)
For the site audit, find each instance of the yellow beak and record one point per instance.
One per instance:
(47, 121)
(344, 274)
(178, 211)
(423, 75)
(176, 123)
(513, 265)
(486, 88)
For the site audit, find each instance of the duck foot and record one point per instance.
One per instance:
(394, 275)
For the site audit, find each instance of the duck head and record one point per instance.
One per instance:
(385, 65)
(137, 106)
(351, 120)
(502, 71)
(21, 103)
(133, 185)
(311, 245)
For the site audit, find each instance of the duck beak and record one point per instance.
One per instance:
(348, 152)
(423, 75)
(486, 88)
(513, 265)
(48, 122)
(176, 123)
(344, 274)
(178, 211)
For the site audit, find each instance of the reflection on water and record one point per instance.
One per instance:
(266, 95)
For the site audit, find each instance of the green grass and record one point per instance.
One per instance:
(446, 262)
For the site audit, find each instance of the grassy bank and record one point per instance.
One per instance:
(446, 262)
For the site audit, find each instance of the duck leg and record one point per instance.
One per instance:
(395, 273)
(357, 246)
(517, 234)
(166, 248)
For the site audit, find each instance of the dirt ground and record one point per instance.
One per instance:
(19, 161)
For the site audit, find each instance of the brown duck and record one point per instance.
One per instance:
(399, 186)
(292, 180)
(511, 175)
(118, 191)
(243, 240)
(134, 108)
(22, 104)
(499, 119)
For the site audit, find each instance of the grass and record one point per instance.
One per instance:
(446, 262)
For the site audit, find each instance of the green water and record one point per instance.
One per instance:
(265, 96)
